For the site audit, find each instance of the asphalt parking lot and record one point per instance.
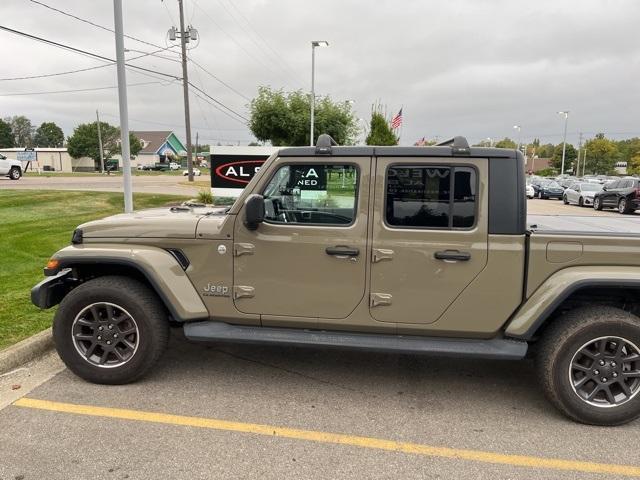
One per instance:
(224, 411)
(228, 411)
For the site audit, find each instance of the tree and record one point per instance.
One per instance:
(284, 118)
(22, 131)
(49, 135)
(84, 141)
(380, 132)
(628, 148)
(570, 155)
(6, 137)
(633, 165)
(602, 155)
(506, 143)
(546, 150)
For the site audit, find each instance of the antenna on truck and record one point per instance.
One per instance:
(459, 145)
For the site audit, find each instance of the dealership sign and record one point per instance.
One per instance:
(231, 173)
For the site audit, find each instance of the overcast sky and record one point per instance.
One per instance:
(457, 67)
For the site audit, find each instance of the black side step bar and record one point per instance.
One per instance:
(495, 348)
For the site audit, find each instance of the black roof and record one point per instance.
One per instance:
(457, 147)
(398, 152)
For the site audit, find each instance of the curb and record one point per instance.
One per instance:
(26, 350)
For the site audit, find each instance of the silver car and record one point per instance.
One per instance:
(581, 193)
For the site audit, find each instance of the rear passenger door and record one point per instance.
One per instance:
(429, 235)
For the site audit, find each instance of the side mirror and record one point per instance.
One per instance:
(253, 211)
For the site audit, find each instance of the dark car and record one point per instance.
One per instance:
(623, 194)
(550, 189)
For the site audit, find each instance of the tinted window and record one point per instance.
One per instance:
(312, 194)
(431, 197)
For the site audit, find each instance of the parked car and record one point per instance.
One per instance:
(581, 193)
(550, 189)
(196, 172)
(623, 194)
(174, 166)
(530, 191)
(10, 168)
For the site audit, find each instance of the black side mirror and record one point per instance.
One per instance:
(253, 211)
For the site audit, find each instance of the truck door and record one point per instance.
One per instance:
(307, 259)
(429, 235)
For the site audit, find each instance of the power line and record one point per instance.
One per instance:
(218, 79)
(68, 72)
(219, 27)
(102, 27)
(219, 102)
(82, 52)
(78, 90)
(273, 53)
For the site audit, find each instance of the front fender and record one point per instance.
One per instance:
(558, 287)
(159, 267)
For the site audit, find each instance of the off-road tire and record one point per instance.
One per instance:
(557, 347)
(15, 173)
(597, 203)
(139, 301)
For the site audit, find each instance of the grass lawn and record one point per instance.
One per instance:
(34, 225)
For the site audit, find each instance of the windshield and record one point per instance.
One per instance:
(590, 187)
(552, 185)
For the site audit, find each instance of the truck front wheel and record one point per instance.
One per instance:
(110, 330)
(589, 365)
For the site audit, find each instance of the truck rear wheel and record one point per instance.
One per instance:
(589, 365)
(110, 330)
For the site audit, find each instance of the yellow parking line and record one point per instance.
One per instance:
(333, 438)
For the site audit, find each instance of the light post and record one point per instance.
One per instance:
(314, 44)
(519, 129)
(564, 138)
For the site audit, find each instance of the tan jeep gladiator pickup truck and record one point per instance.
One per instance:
(419, 250)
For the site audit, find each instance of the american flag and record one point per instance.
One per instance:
(396, 122)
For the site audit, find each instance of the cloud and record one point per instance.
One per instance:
(459, 67)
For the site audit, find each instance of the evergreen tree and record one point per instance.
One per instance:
(380, 132)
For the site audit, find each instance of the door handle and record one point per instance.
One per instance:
(342, 251)
(452, 255)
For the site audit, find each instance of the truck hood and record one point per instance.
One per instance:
(174, 222)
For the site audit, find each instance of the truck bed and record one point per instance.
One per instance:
(620, 225)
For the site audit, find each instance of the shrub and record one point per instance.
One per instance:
(205, 196)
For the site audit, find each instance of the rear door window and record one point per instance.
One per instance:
(442, 197)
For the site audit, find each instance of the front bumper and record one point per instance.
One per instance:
(51, 290)
(587, 200)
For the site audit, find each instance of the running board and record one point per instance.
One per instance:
(495, 348)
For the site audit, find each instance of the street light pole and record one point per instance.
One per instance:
(314, 44)
(564, 138)
(519, 128)
(124, 110)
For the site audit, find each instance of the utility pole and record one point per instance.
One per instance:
(564, 138)
(100, 143)
(577, 172)
(124, 110)
(185, 36)
(196, 147)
